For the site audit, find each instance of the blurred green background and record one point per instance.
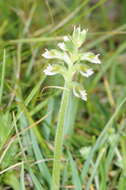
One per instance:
(95, 135)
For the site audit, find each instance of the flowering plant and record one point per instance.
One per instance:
(72, 62)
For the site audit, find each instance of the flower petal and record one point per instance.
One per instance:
(91, 57)
(47, 54)
(55, 54)
(80, 93)
(52, 54)
(66, 38)
(50, 70)
(87, 73)
(62, 46)
(83, 95)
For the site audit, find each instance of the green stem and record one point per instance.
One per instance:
(59, 139)
(2, 76)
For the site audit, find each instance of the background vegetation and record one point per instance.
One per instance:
(95, 136)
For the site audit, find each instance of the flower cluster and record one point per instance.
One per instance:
(72, 60)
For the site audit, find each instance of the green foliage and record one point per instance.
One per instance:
(5, 127)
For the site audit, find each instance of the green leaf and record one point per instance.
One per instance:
(75, 176)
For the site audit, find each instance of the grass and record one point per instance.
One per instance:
(94, 151)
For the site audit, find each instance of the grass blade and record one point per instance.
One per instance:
(75, 175)
(2, 76)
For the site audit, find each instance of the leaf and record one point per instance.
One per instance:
(75, 175)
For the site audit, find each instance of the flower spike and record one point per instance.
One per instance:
(72, 60)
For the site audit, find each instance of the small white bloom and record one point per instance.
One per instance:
(62, 46)
(55, 54)
(66, 38)
(49, 70)
(87, 73)
(83, 95)
(91, 57)
(52, 54)
(47, 54)
(80, 94)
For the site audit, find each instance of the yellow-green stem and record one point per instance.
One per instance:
(59, 139)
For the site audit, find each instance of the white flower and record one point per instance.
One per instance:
(62, 46)
(49, 70)
(91, 57)
(87, 73)
(80, 94)
(47, 54)
(83, 95)
(66, 38)
(55, 54)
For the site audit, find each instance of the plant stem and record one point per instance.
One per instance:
(59, 139)
(2, 76)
